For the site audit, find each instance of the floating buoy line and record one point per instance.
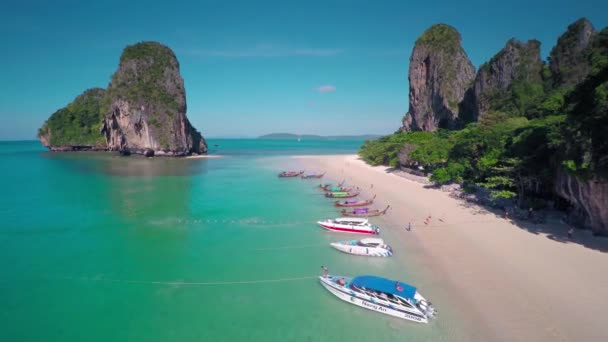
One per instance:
(185, 283)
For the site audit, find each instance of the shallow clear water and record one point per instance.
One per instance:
(88, 240)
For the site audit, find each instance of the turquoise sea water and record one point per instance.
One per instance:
(98, 247)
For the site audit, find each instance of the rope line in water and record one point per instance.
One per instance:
(147, 282)
(290, 247)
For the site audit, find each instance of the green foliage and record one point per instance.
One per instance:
(598, 56)
(77, 124)
(428, 149)
(141, 76)
(383, 151)
(441, 36)
(586, 128)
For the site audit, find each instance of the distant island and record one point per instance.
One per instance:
(291, 136)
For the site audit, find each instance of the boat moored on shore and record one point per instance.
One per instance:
(381, 295)
(365, 247)
(350, 225)
(329, 186)
(289, 174)
(364, 212)
(342, 194)
(355, 203)
(313, 176)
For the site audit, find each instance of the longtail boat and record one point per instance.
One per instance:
(342, 194)
(313, 176)
(355, 203)
(287, 174)
(364, 212)
(328, 186)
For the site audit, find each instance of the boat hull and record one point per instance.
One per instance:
(347, 228)
(341, 194)
(361, 250)
(350, 297)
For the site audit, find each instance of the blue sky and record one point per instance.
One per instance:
(256, 67)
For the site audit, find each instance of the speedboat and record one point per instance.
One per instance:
(367, 247)
(350, 225)
(382, 295)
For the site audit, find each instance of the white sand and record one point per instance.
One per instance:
(515, 284)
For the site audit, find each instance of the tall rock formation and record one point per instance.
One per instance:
(589, 198)
(76, 126)
(145, 105)
(514, 72)
(568, 60)
(440, 73)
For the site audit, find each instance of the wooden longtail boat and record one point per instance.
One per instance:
(364, 212)
(287, 174)
(342, 194)
(313, 176)
(354, 203)
(328, 186)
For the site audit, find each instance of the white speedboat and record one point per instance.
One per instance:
(350, 225)
(382, 295)
(367, 247)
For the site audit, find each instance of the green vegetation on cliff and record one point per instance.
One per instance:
(141, 76)
(515, 150)
(78, 123)
(567, 58)
(441, 36)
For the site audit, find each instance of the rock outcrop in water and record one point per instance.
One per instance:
(146, 105)
(439, 74)
(76, 126)
(142, 111)
(516, 68)
(569, 59)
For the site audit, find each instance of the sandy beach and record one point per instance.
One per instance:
(511, 281)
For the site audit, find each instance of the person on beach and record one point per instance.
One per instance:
(409, 226)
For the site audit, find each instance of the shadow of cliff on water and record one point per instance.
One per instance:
(112, 164)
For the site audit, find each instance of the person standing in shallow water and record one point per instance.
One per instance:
(325, 271)
(570, 232)
(409, 226)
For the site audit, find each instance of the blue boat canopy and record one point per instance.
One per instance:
(385, 285)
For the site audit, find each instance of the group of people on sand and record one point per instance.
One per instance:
(427, 221)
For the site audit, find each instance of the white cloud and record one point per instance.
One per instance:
(326, 88)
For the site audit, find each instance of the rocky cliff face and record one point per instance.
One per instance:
(440, 73)
(516, 68)
(589, 198)
(568, 59)
(145, 105)
(76, 126)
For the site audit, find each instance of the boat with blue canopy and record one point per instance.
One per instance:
(383, 295)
